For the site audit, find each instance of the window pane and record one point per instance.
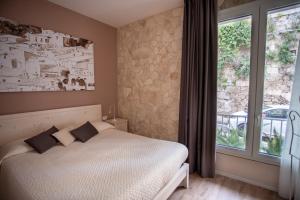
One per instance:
(233, 82)
(282, 39)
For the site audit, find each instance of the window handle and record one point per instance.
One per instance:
(258, 119)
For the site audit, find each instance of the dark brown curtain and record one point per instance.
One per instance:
(198, 92)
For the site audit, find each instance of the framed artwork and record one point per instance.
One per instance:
(37, 59)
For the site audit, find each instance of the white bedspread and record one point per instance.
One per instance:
(112, 165)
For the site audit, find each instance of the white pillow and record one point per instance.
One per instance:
(101, 125)
(64, 136)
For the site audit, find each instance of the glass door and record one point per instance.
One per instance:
(258, 45)
(233, 81)
(275, 77)
(237, 68)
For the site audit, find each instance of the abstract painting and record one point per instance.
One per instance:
(37, 59)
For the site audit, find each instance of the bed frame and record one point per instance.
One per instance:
(23, 125)
(181, 178)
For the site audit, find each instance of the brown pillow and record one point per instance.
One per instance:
(43, 141)
(84, 132)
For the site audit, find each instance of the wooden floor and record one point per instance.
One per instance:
(221, 188)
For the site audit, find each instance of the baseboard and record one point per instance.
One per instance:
(246, 180)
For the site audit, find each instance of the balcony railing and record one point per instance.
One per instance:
(270, 126)
(232, 129)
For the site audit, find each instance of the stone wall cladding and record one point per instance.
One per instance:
(149, 62)
(149, 65)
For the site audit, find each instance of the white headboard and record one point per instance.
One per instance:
(16, 126)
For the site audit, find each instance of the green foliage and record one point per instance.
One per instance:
(234, 39)
(271, 26)
(222, 81)
(234, 36)
(285, 56)
(271, 55)
(274, 145)
(232, 139)
(243, 69)
(286, 41)
(271, 29)
(237, 139)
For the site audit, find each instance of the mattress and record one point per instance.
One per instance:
(112, 165)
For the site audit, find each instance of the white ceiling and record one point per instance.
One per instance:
(118, 13)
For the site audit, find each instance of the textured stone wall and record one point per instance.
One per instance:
(149, 60)
(149, 63)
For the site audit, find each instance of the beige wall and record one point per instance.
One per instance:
(47, 15)
(149, 60)
(249, 171)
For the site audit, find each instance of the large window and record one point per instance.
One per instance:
(233, 82)
(258, 46)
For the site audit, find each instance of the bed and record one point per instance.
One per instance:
(111, 165)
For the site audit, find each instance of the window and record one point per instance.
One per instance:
(258, 45)
(233, 81)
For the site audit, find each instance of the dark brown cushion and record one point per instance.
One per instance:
(84, 132)
(43, 141)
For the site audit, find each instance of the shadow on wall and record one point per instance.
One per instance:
(223, 4)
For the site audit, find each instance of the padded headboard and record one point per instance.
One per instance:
(17, 126)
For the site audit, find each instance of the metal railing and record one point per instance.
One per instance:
(269, 126)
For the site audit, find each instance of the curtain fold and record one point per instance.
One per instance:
(198, 92)
(285, 184)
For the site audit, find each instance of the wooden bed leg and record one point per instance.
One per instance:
(185, 181)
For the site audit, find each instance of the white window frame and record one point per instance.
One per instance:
(258, 10)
